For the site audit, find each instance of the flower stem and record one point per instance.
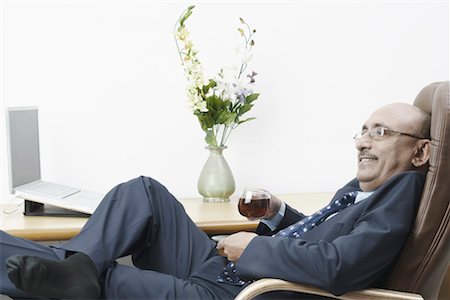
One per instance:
(216, 130)
(224, 132)
(243, 67)
(175, 30)
(228, 135)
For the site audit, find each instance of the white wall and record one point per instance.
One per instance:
(111, 92)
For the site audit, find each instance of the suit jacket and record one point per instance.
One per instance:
(350, 251)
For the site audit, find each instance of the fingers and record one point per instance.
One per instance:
(234, 245)
(221, 248)
(221, 252)
(220, 245)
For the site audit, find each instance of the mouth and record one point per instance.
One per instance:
(367, 158)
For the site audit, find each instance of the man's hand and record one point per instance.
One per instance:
(234, 245)
(274, 207)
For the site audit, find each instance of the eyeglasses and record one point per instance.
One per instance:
(379, 132)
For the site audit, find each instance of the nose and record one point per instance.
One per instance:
(364, 142)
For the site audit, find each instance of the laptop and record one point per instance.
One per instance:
(25, 167)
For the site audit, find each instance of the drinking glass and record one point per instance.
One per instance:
(254, 203)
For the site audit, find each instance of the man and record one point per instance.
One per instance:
(349, 245)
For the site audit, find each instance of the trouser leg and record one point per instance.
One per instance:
(142, 218)
(123, 282)
(9, 246)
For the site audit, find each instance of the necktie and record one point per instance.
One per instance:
(302, 226)
(296, 230)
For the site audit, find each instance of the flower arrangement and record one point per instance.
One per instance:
(219, 103)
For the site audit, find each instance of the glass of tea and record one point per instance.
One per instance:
(254, 203)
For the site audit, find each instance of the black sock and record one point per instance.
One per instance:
(72, 278)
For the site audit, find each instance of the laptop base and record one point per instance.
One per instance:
(32, 208)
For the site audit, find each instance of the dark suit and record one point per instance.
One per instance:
(350, 251)
(174, 259)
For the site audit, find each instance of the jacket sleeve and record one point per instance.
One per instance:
(290, 217)
(349, 262)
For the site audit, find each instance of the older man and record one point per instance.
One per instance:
(348, 245)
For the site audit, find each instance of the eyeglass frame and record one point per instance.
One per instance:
(360, 134)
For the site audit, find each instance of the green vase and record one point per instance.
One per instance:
(216, 182)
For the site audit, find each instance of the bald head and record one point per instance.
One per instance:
(406, 118)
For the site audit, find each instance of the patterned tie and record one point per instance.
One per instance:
(296, 230)
(302, 226)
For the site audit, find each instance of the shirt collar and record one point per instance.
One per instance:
(362, 195)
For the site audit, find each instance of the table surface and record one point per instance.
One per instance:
(213, 218)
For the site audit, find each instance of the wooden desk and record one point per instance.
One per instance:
(213, 218)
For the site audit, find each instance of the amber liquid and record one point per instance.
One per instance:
(257, 208)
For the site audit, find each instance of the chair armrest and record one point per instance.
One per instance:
(270, 284)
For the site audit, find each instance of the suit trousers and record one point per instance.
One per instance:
(172, 258)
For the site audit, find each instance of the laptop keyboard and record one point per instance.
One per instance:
(53, 190)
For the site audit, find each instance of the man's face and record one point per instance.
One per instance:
(380, 158)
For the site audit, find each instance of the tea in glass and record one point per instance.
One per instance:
(254, 203)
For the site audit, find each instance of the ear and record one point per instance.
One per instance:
(421, 153)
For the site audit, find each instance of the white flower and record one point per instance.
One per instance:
(225, 90)
(201, 106)
(195, 100)
(210, 92)
(232, 88)
(182, 34)
(194, 74)
(195, 81)
(188, 45)
(193, 67)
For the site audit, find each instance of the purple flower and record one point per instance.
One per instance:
(242, 94)
(251, 76)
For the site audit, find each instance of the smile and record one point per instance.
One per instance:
(367, 159)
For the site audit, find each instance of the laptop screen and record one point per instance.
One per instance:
(23, 146)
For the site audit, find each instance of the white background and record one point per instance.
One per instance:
(107, 79)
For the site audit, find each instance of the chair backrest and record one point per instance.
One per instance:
(425, 258)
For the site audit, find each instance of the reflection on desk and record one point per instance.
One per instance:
(213, 218)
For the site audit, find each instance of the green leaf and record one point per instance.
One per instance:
(209, 121)
(226, 104)
(246, 120)
(202, 123)
(222, 117)
(241, 31)
(242, 20)
(250, 98)
(205, 120)
(210, 84)
(230, 118)
(186, 15)
(210, 102)
(244, 108)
